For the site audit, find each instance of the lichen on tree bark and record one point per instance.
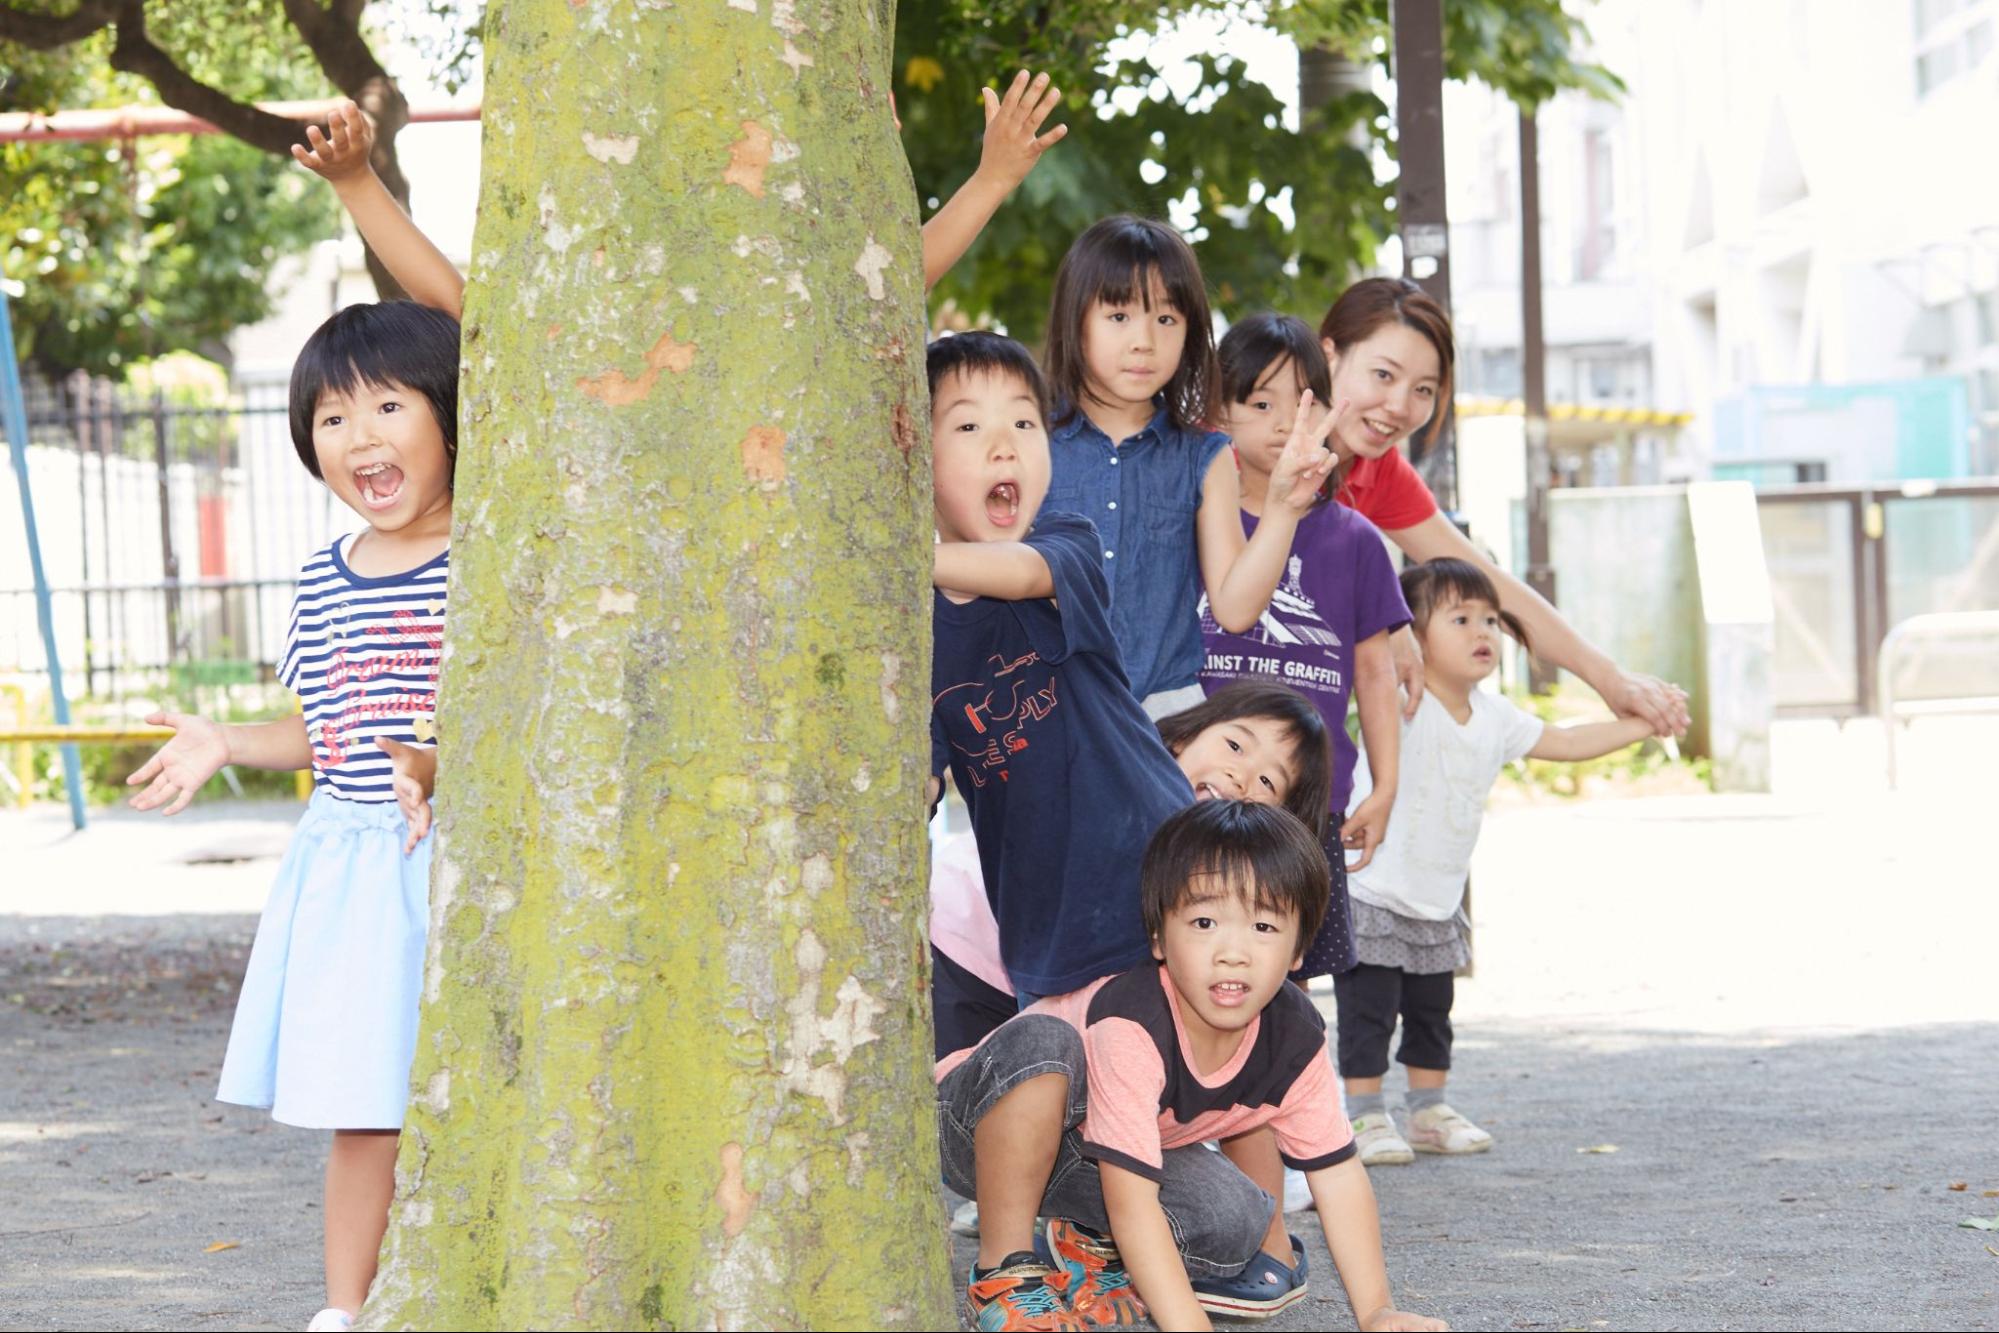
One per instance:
(674, 1052)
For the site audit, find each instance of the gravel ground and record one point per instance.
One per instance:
(1779, 1010)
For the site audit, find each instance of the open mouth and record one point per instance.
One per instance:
(1229, 994)
(1003, 504)
(1207, 791)
(1381, 431)
(380, 484)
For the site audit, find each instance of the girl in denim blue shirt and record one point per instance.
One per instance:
(1131, 358)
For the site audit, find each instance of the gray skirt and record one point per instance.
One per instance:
(1390, 939)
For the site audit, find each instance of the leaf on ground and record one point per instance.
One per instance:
(1599, 1147)
(1981, 1223)
(219, 1246)
(1960, 1186)
(1988, 1194)
(1994, 1253)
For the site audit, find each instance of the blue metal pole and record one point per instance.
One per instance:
(14, 414)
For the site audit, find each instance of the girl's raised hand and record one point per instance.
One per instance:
(1306, 461)
(1013, 123)
(342, 149)
(179, 768)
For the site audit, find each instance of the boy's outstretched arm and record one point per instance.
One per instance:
(1590, 740)
(1145, 1241)
(201, 748)
(1010, 571)
(1012, 147)
(1352, 1223)
(340, 154)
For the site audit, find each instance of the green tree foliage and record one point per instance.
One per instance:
(1222, 145)
(120, 250)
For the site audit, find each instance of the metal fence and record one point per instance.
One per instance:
(1848, 563)
(172, 530)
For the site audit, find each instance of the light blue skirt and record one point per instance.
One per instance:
(326, 1022)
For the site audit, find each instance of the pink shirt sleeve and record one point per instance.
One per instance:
(1312, 1131)
(1125, 1079)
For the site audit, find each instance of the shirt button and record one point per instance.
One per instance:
(1113, 504)
(1113, 460)
(1110, 555)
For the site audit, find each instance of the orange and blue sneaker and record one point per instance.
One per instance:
(1100, 1291)
(1022, 1293)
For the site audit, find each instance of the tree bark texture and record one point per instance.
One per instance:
(673, 1069)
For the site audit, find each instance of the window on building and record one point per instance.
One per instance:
(1951, 38)
(1499, 372)
(1598, 241)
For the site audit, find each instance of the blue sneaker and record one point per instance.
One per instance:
(1259, 1290)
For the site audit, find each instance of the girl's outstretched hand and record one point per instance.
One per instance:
(1013, 123)
(1365, 828)
(179, 768)
(342, 149)
(1306, 461)
(1392, 1320)
(415, 769)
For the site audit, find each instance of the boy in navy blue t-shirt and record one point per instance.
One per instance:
(1065, 776)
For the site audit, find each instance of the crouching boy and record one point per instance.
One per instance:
(1091, 1108)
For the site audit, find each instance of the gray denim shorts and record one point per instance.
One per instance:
(1218, 1215)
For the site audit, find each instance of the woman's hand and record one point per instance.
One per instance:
(341, 152)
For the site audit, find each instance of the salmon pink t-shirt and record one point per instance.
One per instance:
(1145, 1096)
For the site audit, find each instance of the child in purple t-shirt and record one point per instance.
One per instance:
(1326, 630)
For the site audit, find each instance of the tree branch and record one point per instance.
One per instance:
(41, 32)
(334, 38)
(134, 53)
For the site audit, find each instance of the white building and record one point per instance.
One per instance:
(1792, 193)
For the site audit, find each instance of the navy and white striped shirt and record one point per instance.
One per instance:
(362, 654)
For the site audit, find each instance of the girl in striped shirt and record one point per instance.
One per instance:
(326, 1023)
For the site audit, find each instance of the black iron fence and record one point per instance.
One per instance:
(172, 527)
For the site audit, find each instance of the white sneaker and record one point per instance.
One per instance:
(1377, 1143)
(965, 1219)
(1297, 1193)
(1440, 1129)
(330, 1320)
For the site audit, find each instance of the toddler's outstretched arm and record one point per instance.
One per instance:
(1013, 145)
(1590, 740)
(200, 748)
(340, 154)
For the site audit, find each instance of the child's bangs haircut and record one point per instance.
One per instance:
(1310, 797)
(1436, 584)
(378, 344)
(1259, 852)
(1114, 262)
(1253, 345)
(981, 353)
(1372, 304)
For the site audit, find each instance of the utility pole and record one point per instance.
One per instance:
(1419, 202)
(1534, 374)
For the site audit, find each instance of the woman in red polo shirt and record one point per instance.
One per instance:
(1390, 348)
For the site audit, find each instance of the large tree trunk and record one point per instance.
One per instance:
(674, 1060)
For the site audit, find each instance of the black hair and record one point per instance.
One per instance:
(1310, 797)
(1113, 261)
(981, 353)
(1253, 345)
(1259, 851)
(378, 344)
(1436, 584)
